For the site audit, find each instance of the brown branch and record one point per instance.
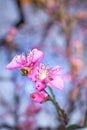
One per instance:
(8, 126)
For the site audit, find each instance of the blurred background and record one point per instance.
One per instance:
(59, 29)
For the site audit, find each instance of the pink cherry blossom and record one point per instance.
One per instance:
(39, 97)
(51, 76)
(21, 61)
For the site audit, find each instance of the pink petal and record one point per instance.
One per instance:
(17, 62)
(13, 65)
(37, 55)
(57, 82)
(55, 70)
(33, 73)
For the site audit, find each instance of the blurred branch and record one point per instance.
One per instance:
(45, 34)
(7, 127)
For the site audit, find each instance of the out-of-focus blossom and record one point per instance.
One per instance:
(81, 14)
(39, 97)
(67, 77)
(76, 65)
(32, 110)
(11, 33)
(26, 125)
(28, 121)
(78, 46)
(74, 94)
(5, 115)
(21, 61)
(52, 5)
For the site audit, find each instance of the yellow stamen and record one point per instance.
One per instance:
(25, 71)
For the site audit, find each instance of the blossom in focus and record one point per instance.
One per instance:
(39, 97)
(21, 61)
(43, 75)
(37, 72)
(51, 76)
(40, 85)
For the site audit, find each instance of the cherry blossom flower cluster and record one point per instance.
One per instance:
(38, 73)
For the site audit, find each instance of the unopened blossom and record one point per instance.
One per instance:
(40, 85)
(39, 97)
(21, 61)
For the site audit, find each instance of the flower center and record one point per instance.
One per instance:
(43, 73)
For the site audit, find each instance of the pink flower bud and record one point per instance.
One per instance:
(39, 97)
(40, 86)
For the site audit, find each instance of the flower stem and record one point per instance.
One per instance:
(61, 114)
(51, 91)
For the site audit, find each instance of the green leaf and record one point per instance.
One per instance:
(73, 127)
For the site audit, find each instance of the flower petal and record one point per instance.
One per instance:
(18, 61)
(55, 70)
(57, 82)
(32, 74)
(37, 55)
(13, 65)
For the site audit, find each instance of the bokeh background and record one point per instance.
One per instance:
(59, 29)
